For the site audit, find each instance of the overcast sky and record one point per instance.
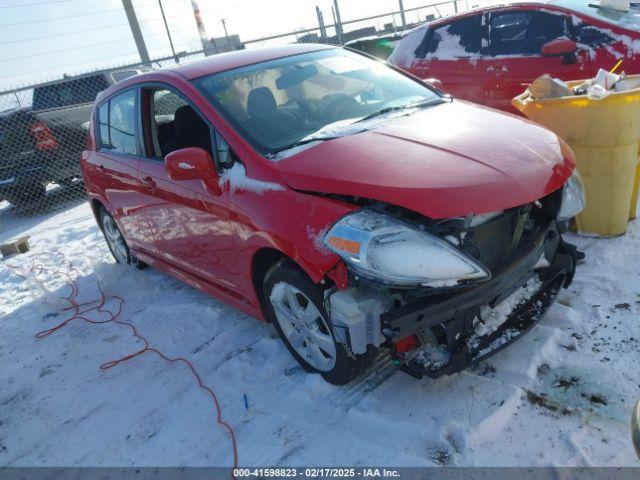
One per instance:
(43, 39)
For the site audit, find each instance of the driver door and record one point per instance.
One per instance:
(190, 223)
(514, 58)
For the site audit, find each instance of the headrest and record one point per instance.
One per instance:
(261, 102)
(187, 123)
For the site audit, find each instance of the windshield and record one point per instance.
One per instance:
(279, 103)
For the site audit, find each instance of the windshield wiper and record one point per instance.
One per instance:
(300, 143)
(424, 103)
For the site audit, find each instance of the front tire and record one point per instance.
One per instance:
(295, 306)
(116, 241)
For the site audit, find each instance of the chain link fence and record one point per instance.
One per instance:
(43, 128)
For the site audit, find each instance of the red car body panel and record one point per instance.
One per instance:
(495, 80)
(452, 159)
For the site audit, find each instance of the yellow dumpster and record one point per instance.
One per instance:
(604, 135)
(634, 197)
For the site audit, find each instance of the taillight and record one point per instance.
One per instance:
(43, 137)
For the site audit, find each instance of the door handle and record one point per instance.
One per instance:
(100, 168)
(148, 183)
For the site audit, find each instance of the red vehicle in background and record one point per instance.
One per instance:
(491, 55)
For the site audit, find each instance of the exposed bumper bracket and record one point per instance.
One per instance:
(520, 321)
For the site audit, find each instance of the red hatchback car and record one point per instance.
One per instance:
(491, 55)
(348, 203)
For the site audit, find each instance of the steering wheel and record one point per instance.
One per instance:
(339, 106)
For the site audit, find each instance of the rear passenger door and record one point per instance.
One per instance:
(450, 53)
(114, 166)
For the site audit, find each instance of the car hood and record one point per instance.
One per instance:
(448, 160)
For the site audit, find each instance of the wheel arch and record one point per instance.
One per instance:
(266, 257)
(96, 205)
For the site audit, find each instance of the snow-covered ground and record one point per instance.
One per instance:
(562, 395)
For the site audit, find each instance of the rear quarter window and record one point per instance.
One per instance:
(117, 124)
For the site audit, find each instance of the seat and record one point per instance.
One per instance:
(267, 123)
(189, 130)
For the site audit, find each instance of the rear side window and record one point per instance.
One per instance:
(524, 33)
(457, 39)
(69, 93)
(117, 124)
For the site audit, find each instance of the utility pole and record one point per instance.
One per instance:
(226, 34)
(336, 12)
(403, 19)
(166, 26)
(323, 30)
(135, 31)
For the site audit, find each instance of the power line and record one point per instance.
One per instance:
(60, 18)
(52, 2)
(50, 52)
(34, 4)
(119, 57)
(47, 37)
(74, 16)
(101, 12)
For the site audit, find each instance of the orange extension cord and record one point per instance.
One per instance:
(79, 310)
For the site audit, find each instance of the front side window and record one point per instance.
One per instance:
(277, 103)
(525, 32)
(117, 124)
(457, 39)
(174, 123)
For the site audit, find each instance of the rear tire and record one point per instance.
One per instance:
(302, 323)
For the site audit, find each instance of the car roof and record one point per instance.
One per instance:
(240, 58)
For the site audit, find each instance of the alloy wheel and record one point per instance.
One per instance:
(115, 240)
(303, 326)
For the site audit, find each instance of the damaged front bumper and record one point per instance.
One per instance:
(455, 316)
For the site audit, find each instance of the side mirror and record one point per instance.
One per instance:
(193, 163)
(434, 82)
(635, 427)
(560, 47)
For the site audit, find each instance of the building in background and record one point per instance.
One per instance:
(223, 44)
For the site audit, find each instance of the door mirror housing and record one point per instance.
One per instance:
(190, 164)
(193, 163)
(560, 47)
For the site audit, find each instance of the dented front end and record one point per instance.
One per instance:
(440, 330)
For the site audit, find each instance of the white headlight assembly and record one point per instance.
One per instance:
(382, 248)
(573, 198)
